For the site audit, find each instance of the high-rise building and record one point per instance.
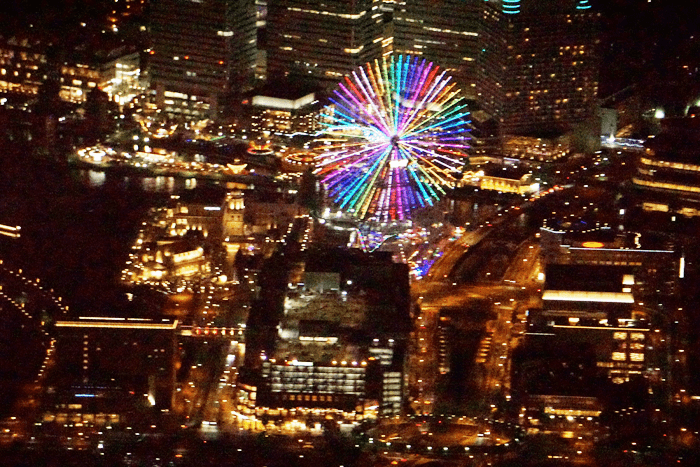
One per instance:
(445, 33)
(463, 37)
(322, 40)
(202, 51)
(550, 65)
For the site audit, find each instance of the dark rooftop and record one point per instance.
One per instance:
(679, 140)
(588, 278)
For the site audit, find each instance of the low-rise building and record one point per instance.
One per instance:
(537, 149)
(501, 178)
(22, 65)
(283, 109)
(668, 170)
(121, 77)
(107, 367)
(593, 307)
(339, 347)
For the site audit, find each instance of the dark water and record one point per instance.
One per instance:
(77, 228)
(77, 224)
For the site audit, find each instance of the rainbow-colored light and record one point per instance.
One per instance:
(398, 132)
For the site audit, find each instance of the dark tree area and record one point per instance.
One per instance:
(99, 118)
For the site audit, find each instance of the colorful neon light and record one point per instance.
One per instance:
(511, 7)
(400, 131)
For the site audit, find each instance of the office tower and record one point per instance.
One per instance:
(322, 40)
(445, 33)
(550, 65)
(463, 37)
(202, 51)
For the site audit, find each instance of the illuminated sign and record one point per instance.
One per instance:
(592, 245)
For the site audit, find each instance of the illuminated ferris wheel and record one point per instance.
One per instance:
(397, 133)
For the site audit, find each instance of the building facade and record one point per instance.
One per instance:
(114, 364)
(668, 172)
(550, 65)
(285, 115)
(202, 51)
(322, 41)
(121, 78)
(26, 65)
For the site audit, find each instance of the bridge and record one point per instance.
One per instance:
(10, 231)
(211, 331)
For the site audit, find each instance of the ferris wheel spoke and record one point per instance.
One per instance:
(400, 133)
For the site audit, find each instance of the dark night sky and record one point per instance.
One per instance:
(651, 40)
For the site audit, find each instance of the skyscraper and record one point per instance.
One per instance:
(550, 65)
(464, 37)
(322, 40)
(444, 32)
(202, 50)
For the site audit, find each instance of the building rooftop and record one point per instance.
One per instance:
(118, 323)
(679, 140)
(305, 353)
(329, 307)
(587, 278)
(286, 89)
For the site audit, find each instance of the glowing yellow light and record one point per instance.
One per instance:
(592, 245)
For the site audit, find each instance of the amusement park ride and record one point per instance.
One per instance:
(397, 135)
(400, 130)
